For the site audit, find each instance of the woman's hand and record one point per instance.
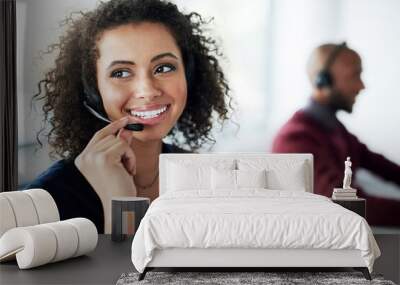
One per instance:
(108, 163)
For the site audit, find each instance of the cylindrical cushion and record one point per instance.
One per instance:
(34, 245)
(7, 218)
(45, 205)
(87, 234)
(67, 240)
(26, 208)
(23, 208)
(41, 244)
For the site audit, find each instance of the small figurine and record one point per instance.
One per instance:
(347, 174)
(347, 192)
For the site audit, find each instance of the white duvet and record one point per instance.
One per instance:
(250, 219)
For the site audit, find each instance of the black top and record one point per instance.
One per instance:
(73, 194)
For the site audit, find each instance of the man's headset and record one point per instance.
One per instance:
(92, 99)
(324, 77)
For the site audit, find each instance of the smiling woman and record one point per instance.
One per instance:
(146, 83)
(129, 62)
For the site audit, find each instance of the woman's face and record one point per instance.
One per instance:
(140, 73)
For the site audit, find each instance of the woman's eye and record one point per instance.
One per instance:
(120, 73)
(165, 68)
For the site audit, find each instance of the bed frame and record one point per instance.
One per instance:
(243, 259)
(250, 258)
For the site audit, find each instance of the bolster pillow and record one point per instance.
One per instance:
(26, 208)
(40, 244)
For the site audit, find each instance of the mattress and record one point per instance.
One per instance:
(251, 219)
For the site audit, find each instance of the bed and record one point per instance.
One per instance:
(247, 210)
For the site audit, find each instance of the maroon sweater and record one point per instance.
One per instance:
(304, 133)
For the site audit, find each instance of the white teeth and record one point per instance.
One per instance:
(148, 114)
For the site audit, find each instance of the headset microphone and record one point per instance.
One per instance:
(130, 127)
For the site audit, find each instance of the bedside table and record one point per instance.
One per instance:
(357, 205)
(127, 212)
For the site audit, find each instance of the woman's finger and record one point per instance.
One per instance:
(121, 152)
(125, 135)
(110, 129)
(104, 144)
(128, 161)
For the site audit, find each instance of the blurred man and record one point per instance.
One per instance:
(335, 72)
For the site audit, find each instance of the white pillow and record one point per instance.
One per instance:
(226, 179)
(223, 179)
(282, 174)
(185, 174)
(183, 178)
(251, 178)
(291, 179)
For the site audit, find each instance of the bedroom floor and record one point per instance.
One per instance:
(388, 263)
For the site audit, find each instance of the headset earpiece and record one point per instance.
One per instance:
(92, 97)
(324, 78)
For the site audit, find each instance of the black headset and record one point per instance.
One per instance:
(92, 99)
(324, 77)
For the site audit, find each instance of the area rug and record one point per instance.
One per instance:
(269, 278)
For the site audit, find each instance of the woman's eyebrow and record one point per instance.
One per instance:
(165, 54)
(157, 57)
(115, 62)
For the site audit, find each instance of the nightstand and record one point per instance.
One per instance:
(127, 212)
(357, 205)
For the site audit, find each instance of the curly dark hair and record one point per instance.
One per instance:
(72, 126)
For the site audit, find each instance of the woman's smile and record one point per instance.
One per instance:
(149, 115)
